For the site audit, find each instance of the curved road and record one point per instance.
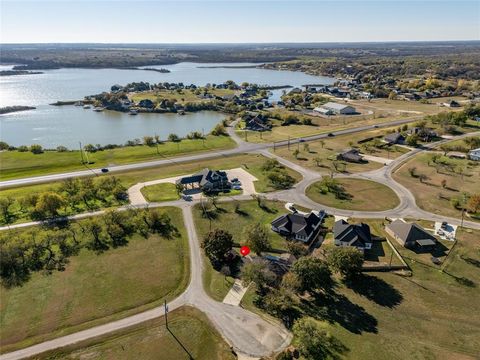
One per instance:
(246, 332)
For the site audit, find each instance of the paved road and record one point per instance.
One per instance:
(246, 332)
(242, 147)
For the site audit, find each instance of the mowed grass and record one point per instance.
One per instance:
(96, 289)
(427, 194)
(216, 284)
(160, 192)
(320, 154)
(365, 195)
(426, 316)
(14, 164)
(251, 163)
(187, 327)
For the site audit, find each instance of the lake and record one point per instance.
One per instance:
(51, 126)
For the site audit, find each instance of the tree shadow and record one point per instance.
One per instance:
(337, 308)
(471, 261)
(376, 290)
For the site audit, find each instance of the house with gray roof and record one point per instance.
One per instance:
(394, 138)
(410, 235)
(351, 155)
(299, 226)
(207, 180)
(356, 235)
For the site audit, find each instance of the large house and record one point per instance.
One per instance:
(255, 121)
(339, 109)
(474, 154)
(206, 180)
(298, 226)
(351, 155)
(356, 235)
(394, 138)
(410, 235)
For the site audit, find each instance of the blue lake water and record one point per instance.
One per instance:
(52, 126)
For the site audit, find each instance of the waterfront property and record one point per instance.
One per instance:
(410, 235)
(356, 235)
(299, 226)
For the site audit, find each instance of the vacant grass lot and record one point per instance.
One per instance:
(96, 289)
(187, 327)
(160, 192)
(388, 316)
(431, 195)
(319, 154)
(216, 284)
(365, 195)
(14, 164)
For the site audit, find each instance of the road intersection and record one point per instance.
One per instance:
(247, 333)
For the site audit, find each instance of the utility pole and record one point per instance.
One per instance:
(166, 312)
(81, 152)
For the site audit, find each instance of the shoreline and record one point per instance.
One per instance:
(15, 108)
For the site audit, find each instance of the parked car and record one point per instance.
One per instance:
(444, 225)
(104, 170)
(237, 187)
(330, 134)
(234, 180)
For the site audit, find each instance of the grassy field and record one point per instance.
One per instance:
(251, 163)
(95, 289)
(365, 195)
(160, 192)
(327, 150)
(14, 164)
(427, 194)
(388, 316)
(182, 97)
(189, 333)
(216, 284)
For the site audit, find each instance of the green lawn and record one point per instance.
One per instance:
(251, 163)
(187, 328)
(160, 192)
(14, 164)
(365, 195)
(387, 316)
(227, 219)
(96, 289)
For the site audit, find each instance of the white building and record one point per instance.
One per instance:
(474, 154)
(340, 108)
(323, 111)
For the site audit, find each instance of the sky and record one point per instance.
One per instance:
(230, 21)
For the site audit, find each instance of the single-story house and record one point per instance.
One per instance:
(298, 226)
(451, 104)
(255, 121)
(207, 180)
(474, 154)
(146, 103)
(340, 109)
(351, 155)
(357, 235)
(394, 138)
(410, 235)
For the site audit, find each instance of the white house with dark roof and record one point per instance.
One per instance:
(298, 226)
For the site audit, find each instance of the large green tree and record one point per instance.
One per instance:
(257, 238)
(216, 244)
(346, 260)
(313, 273)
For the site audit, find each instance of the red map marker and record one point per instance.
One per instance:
(244, 250)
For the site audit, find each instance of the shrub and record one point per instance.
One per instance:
(36, 149)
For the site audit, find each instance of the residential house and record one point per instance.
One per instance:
(255, 121)
(146, 103)
(451, 104)
(299, 226)
(394, 138)
(410, 235)
(425, 134)
(206, 180)
(351, 155)
(474, 154)
(356, 235)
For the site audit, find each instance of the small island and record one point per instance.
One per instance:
(10, 109)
